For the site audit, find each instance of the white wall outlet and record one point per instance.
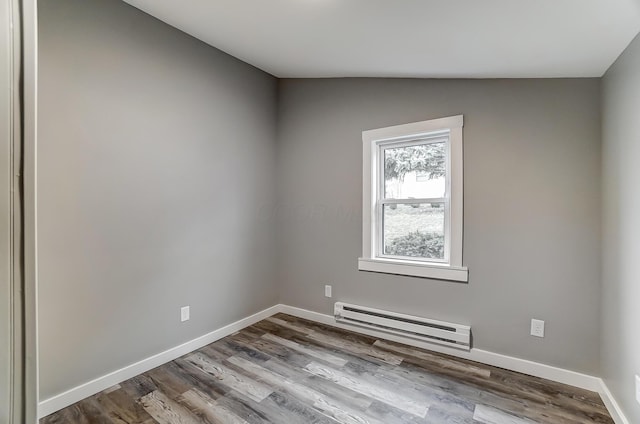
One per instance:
(638, 388)
(184, 313)
(537, 328)
(327, 291)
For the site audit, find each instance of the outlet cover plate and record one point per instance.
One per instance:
(638, 388)
(537, 328)
(184, 314)
(327, 291)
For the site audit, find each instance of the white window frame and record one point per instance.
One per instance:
(374, 143)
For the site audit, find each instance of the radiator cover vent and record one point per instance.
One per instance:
(423, 329)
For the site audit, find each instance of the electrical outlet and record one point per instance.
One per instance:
(537, 328)
(184, 313)
(327, 291)
(638, 388)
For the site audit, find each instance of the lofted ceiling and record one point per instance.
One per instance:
(411, 38)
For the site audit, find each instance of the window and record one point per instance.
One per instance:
(412, 200)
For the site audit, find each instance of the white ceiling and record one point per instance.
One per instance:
(411, 38)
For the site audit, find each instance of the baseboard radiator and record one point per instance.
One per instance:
(423, 329)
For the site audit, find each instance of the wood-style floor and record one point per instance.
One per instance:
(288, 370)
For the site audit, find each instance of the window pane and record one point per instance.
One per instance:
(415, 171)
(415, 230)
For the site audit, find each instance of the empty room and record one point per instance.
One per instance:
(321, 211)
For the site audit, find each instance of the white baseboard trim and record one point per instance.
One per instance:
(584, 381)
(560, 375)
(57, 402)
(611, 404)
(524, 366)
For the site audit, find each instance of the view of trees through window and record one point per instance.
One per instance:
(415, 172)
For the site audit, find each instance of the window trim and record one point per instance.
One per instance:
(398, 135)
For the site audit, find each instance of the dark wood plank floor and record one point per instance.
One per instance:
(288, 370)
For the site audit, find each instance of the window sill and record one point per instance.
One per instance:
(414, 269)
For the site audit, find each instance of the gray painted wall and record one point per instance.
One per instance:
(531, 217)
(157, 172)
(621, 245)
(156, 166)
